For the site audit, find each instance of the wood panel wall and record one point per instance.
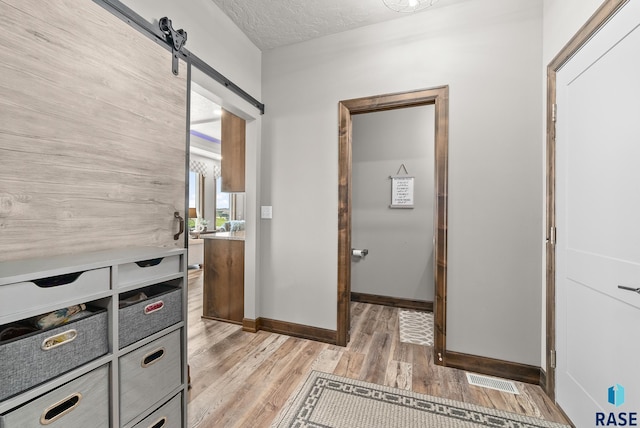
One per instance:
(92, 132)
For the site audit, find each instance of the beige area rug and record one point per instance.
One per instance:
(329, 401)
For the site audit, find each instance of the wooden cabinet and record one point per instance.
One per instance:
(233, 152)
(223, 292)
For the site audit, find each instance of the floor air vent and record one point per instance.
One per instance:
(492, 383)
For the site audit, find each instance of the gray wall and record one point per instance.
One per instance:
(489, 52)
(400, 241)
(211, 35)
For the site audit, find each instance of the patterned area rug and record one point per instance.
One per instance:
(416, 327)
(329, 401)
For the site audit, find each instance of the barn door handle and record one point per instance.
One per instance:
(635, 290)
(181, 220)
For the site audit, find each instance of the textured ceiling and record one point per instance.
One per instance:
(274, 23)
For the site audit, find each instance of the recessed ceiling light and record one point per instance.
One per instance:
(408, 6)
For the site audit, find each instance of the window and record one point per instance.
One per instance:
(223, 205)
(193, 190)
(196, 197)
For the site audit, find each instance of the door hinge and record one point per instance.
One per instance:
(552, 359)
(552, 236)
(554, 112)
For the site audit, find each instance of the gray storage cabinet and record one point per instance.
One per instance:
(114, 367)
(167, 416)
(27, 361)
(37, 294)
(83, 402)
(145, 270)
(161, 309)
(148, 374)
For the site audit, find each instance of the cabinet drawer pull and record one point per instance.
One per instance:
(56, 281)
(159, 423)
(59, 339)
(149, 263)
(61, 408)
(153, 307)
(152, 357)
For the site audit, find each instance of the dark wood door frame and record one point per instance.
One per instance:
(584, 34)
(439, 97)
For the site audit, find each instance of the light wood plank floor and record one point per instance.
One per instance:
(242, 379)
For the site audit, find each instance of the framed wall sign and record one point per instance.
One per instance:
(401, 191)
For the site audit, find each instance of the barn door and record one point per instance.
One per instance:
(92, 132)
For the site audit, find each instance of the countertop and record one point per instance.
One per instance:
(232, 236)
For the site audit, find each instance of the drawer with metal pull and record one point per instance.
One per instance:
(167, 416)
(83, 402)
(29, 357)
(148, 374)
(130, 273)
(148, 310)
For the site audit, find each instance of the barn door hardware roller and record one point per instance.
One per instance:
(177, 38)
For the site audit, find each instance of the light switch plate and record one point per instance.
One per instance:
(266, 211)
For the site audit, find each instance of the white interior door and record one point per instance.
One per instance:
(598, 221)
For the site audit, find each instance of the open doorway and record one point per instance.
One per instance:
(393, 150)
(204, 160)
(210, 208)
(204, 171)
(438, 97)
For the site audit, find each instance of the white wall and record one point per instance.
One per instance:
(489, 52)
(211, 35)
(561, 21)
